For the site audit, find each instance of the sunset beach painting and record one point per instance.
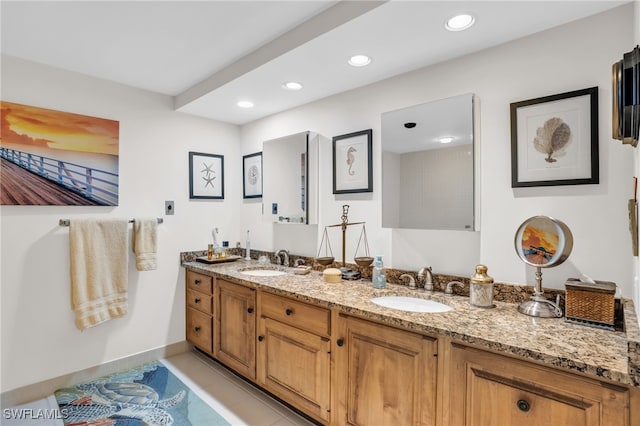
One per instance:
(540, 241)
(52, 157)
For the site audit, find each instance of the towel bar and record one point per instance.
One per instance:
(66, 222)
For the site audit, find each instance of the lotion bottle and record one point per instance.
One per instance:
(379, 280)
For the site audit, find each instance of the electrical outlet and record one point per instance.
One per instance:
(168, 207)
(274, 208)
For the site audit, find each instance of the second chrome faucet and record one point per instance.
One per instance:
(284, 260)
(426, 275)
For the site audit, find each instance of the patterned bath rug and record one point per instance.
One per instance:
(146, 395)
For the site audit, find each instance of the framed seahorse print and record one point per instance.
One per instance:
(554, 140)
(352, 162)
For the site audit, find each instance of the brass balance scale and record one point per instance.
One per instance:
(328, 259)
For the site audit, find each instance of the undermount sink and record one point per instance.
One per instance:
(411, 304)
(263, 272)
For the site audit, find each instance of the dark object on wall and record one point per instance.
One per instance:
(626, 98)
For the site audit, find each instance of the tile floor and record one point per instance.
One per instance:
(233, 398)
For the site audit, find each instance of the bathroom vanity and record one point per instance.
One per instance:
(331, 353)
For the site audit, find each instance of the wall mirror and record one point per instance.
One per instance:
(428, 165)
(290, 185)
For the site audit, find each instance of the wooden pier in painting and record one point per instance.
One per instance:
(28, 179)
(19, 186)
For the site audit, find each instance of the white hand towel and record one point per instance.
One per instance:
(145, 243)
(99, 260)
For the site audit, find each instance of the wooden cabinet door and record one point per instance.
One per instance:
(294, 365)
(489, 389)
(199, 329)
(235, 328)
(384, 376)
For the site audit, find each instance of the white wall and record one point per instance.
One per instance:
(572, 57)
(39, 339)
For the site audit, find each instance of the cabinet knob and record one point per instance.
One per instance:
(260, 338)
(196, 300)
(340, 342)
(523, 405)
(197, 282)
(288, 311)
(196, 329)
(250, 310)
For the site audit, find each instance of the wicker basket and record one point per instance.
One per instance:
(590, 303)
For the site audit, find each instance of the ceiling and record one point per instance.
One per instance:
(209, 55)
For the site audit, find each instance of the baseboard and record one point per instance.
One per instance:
(45, 388)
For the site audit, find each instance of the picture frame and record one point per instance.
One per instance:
(554, 140)
(352, 162)
(206, 176)
(252, 175)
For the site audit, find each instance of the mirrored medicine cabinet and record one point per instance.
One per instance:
(428, 165)
(290, 173)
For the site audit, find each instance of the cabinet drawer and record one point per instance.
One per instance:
(199, 329)
(493, 389)
(200, 282)
(199, 301)
(301, 315)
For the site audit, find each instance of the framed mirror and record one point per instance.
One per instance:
(428, 165)
(290, 173)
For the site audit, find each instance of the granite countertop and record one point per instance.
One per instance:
(610, 355)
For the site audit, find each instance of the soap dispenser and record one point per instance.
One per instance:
(481, 288)
(379, 280)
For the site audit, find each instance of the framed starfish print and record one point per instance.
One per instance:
(206, 176)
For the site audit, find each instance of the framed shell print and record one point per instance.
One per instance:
(252, 175)
(554, 140)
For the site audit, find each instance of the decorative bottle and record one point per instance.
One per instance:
(379, 280)
(248, 254)
(481, 288)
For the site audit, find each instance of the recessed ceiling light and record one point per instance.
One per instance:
(245, 104)
(460, 22)
(359, 60)
(447, 139)
(291, 85)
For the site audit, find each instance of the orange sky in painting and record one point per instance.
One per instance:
(536, 237)
(33, 126)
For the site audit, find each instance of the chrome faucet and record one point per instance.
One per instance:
(285, 257)
(449, 289)
(426, 274)
(298, 262)
(412, 281)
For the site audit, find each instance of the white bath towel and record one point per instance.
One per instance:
(145, 243)
(99, 258)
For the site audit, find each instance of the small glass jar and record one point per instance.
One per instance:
(481, 288)
(210, 252)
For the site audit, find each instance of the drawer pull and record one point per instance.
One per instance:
(523, 405)
(250, 310)
(340, 342)
(260, 338)
(196, 329)
(197, 282)
(196, 300)
(288, 311)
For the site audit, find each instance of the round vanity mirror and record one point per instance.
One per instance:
(542, 242)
